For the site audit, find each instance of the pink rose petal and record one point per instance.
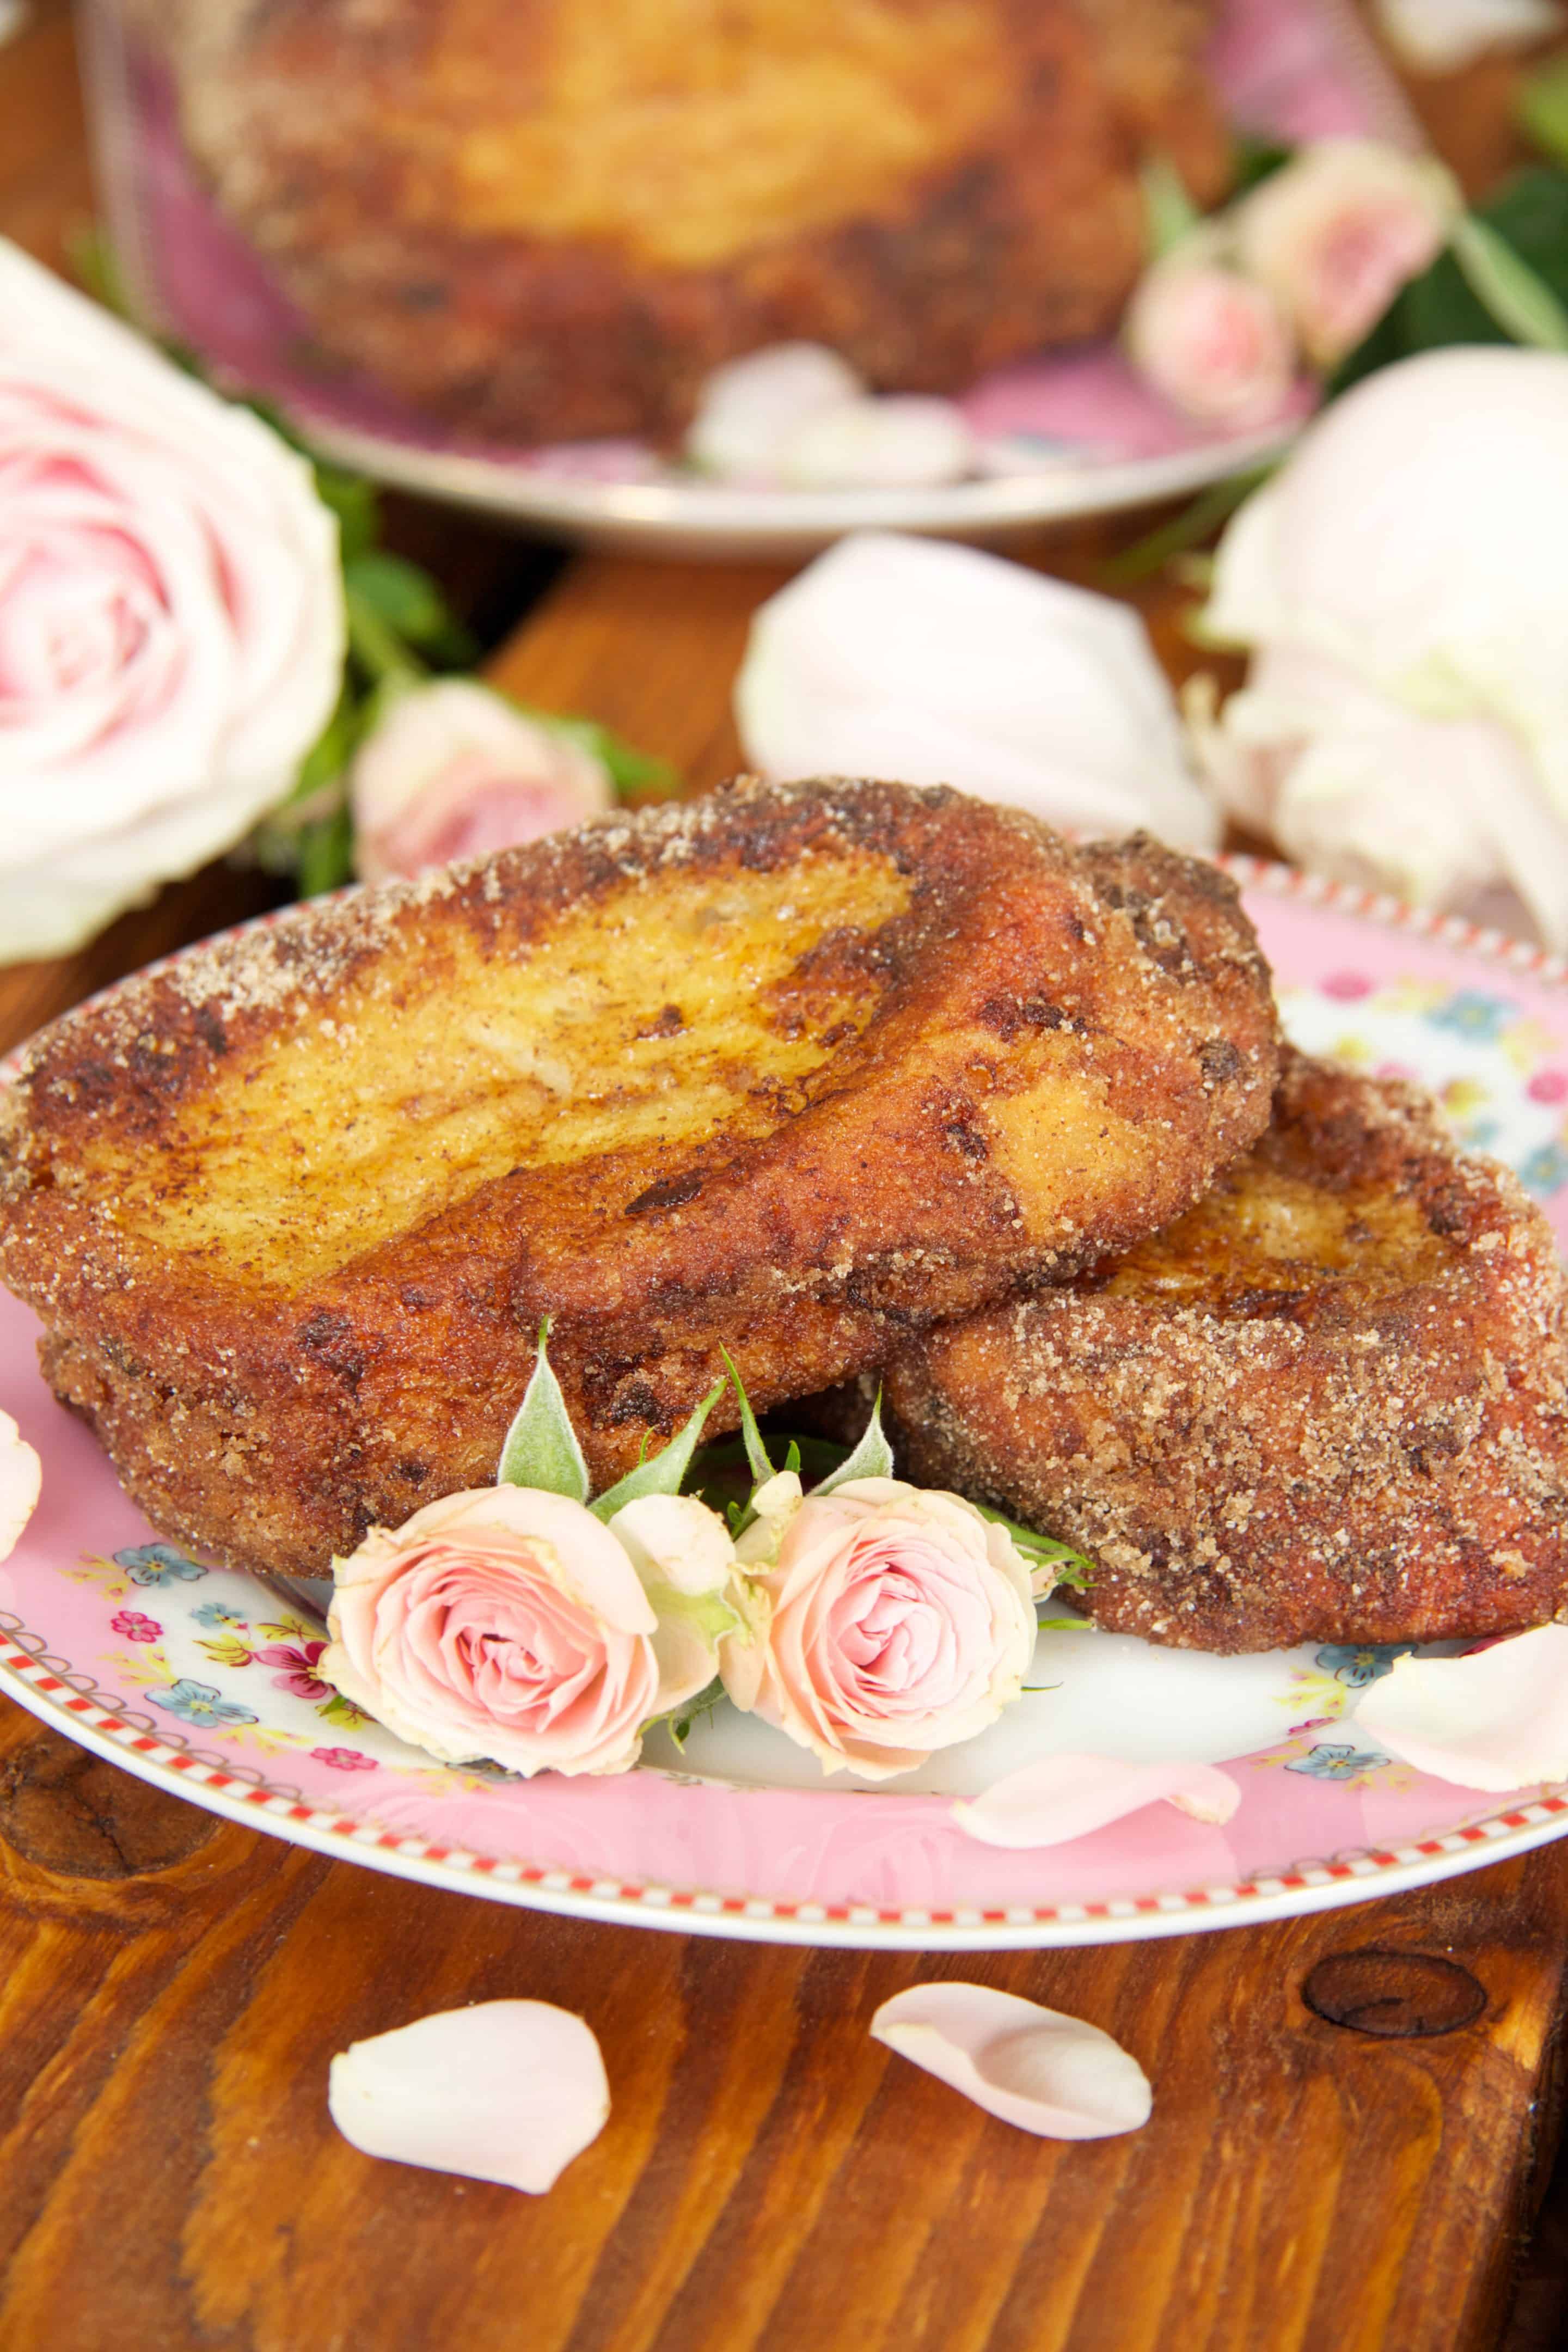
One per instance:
(1047, 2073)
(1064, 1797)
(1496, 1719)
(21, 1476)
(508, 2091)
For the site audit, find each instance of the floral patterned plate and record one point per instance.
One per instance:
(198, 1680)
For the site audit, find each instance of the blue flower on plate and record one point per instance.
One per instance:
(201, 1704)
(158, 1563)
(1472, 1014)
(1329, 1763)
(214, 1614)
(1546, 1169)
(1359, 1662)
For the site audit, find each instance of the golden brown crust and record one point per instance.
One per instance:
(1328, 1404)
(551, 218)
(793, 1069)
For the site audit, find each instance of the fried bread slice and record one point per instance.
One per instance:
(792, 1070)
(1327, 1405)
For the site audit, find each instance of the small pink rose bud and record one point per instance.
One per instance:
(1213, 343)
(454, 771)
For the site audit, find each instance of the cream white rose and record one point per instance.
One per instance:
(171, 616)
(1405, 719)
(900, 657)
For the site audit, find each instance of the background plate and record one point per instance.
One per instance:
(197, 1679)
(1073, 432)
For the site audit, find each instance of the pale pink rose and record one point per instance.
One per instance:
(454, 771)
(171, 616)
(1210, 342)
(1336, 231)
(885, 1622)
(509, 1623)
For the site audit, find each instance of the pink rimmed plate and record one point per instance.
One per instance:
(200, 1681)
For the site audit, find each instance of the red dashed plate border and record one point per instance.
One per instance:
(70, 1703)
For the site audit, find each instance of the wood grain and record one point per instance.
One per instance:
(172, 1987)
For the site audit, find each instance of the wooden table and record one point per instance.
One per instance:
(172, 1987)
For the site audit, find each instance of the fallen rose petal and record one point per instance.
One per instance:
(1047, 2073)
(21, 1476)
(1064, 1797)
(508, 2091)
(750, 406)
(902, 441)
(1496, 1719)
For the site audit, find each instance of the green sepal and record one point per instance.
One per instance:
(665, 1474)
(703, 1702)
(761, 1468)
(707, 1614)
(541, 1448)
(872, 1458)
(1072, 1568)
(1170, 215)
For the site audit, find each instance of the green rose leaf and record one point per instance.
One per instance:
(665, 1474)
(541, 1448)
(408, 600)
(761, 1468)
(1521, 302)
(872, 1458)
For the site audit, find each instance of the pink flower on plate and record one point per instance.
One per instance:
(1210, 340)
(132, 1626)
(301, 1678)
(510, 1623)
(884, 1622)
(1335, 232)
(344, 1759)
(454, 771)
(171, 616)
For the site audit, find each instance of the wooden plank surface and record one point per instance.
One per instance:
(770, 2180)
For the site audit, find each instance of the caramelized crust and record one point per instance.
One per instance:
(1327, 1405)
(551, 218)
(791, 1070)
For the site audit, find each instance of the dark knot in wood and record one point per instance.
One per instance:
(72, 1813)
(1396, 1994)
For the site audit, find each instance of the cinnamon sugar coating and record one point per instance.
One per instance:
(795, 1070)
(1328, 1404)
